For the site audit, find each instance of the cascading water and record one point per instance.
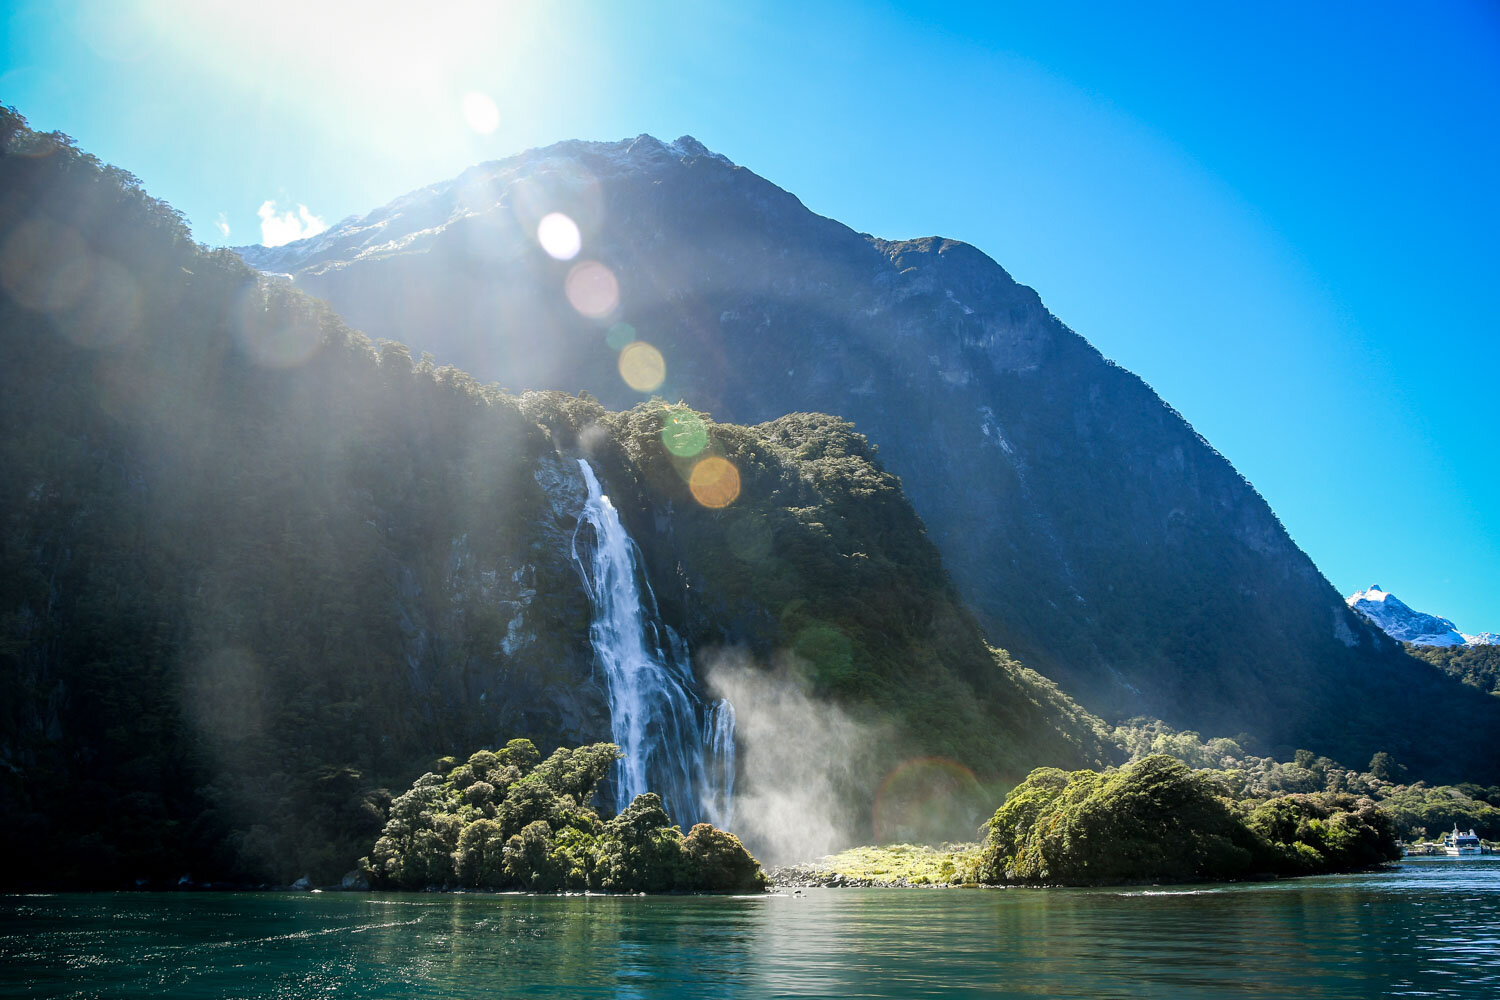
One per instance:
(718, 737)
(653, 712)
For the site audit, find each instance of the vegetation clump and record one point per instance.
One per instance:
(507, 819)
(1418, 809)
(1477, 666)
(1159, 820)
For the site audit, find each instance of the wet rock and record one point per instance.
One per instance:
(357, 880)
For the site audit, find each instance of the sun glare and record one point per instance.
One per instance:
(480, 112)
(429, 86)
(559, 236)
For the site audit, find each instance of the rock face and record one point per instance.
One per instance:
(1095, 533)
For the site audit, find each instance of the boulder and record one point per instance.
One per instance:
(357, 880)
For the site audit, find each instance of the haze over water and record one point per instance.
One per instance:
(1424, 928)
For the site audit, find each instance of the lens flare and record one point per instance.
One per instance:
(827, 651)
(272, 335)
(226, 695)
(619, 335)
(109, 311)
(592, 289)
(566, 188)
(642, 366)
(480, 112)
(683, 433)
(45, 266)
(927, 801)
(559, 236)
(749, 538)
(715, 482)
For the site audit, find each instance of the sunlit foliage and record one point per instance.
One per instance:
(1158, 820)
(506, 821)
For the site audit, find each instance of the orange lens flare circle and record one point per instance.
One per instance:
(715, 482)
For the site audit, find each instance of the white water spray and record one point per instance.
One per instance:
(653, 713)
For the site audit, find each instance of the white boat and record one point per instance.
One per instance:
(1461, 845)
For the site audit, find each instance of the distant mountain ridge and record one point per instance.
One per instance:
(1400, 621)
(1091, 528)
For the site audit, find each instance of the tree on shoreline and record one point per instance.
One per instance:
(508, 820)
(1159, 820)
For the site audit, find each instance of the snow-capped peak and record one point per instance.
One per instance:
(1397, 620)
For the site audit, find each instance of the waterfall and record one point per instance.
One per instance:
(718, 737)
(653, 713)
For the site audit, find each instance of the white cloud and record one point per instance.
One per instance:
(277, 229)
(222, 225)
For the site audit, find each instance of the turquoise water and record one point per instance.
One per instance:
(1423, 928)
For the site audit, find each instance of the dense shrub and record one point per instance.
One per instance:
(1328, 832)
(508, 820)
(1158, 820)
(1420, 811)
(1155, 819)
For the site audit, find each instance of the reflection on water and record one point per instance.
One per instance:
(1426, 928)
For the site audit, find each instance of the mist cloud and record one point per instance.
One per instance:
(799, 760)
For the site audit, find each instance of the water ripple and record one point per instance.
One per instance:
(1421, 929)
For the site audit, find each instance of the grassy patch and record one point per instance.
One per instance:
(891, 864)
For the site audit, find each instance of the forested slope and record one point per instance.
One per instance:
(256, 570)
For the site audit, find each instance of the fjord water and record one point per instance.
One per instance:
(1422, 928)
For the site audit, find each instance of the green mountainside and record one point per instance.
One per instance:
(1094, 532)
(257, 571)
(1476, 666)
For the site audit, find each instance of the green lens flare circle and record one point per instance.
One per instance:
(683, 433)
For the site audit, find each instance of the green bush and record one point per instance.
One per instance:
(716, 859)
(508, 820)
(480, 857)
(1158, 820)
(642, 850)
(1324, 832)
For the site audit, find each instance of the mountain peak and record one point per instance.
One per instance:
(692, 146)
(1399, 621)
(1012, 435)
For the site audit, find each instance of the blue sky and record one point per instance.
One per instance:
(1282, 216)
